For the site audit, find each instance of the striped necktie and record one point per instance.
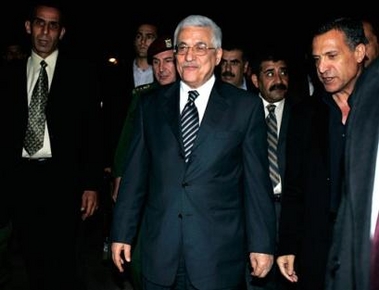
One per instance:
(272, 139)
(189, 123)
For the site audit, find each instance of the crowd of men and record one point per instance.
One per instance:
(231, 169)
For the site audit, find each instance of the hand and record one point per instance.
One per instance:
(89, 203)
(120, 253)
(261, 264)
(286, 266)
(116, 185)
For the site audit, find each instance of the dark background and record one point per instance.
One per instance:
(107, 27)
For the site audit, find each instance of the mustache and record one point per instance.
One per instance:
(278, 87)
(228, 74)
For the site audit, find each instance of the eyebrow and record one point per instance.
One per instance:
(46, 21)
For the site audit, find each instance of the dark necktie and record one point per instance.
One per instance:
(189, 123)
(272, 138)
(35, 131)
(374, 285)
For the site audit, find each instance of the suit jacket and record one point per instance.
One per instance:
(283, 137)
(74, 122)
(305, 228)
(275, 280)
(349, 261)
(213, 210)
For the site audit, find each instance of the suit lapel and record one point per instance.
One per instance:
(283, 137)
(171, 109)
(284, 123)
(214, 112)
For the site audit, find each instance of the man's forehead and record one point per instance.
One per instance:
(236, 53)
(147, 29)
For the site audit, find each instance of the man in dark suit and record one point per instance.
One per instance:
(349, 259)
(315, 151)
(270, 75)
(234, 67)
(207, 209)
(54, 186)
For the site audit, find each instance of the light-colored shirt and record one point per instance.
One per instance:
(142, 77)
(279, 114)
(244, 84)
(202, 100)
(33, 68)
(278, 110)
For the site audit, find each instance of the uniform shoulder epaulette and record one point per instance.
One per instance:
(144, 88)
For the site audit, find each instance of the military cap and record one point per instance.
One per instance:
(159, 45)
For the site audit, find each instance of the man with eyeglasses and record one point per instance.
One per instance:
(204, 201)
(52, 166)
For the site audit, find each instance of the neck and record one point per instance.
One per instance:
(142, 63)
(342, 103)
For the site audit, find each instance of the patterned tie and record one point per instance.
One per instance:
(35, 131)
(272, 138)
(374, 285)
(189, 123)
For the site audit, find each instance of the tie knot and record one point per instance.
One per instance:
(271, 108)
(192, 95)
(43, 63)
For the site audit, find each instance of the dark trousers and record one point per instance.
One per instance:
(182, 282)
(45, 215)
(5, 264)
(274, 279)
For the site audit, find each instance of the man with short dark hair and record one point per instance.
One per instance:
(53, 151)
(270, 74)
(234, 65)
(372, 47)
(315, 154)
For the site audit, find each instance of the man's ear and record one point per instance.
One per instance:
(28, 27)
(63, 32)
(360, 52)
(254, 80)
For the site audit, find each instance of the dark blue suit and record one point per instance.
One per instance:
(213, 210)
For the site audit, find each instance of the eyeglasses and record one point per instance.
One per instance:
(197, 49)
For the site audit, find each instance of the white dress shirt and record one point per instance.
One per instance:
(201, 101)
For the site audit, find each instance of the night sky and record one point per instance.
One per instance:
(101, 29)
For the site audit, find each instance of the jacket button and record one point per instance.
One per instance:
(184, 184)
(180, 216)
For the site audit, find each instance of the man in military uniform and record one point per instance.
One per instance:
(161, 57)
